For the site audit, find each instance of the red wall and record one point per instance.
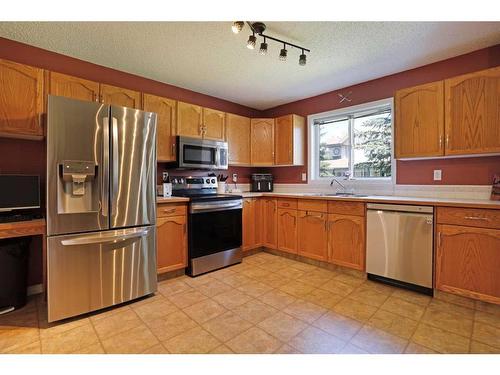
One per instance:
(455, 171)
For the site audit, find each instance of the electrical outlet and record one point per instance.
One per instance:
(304, 176)
(235, 177)
(437, 174)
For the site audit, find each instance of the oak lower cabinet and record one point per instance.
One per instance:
(121, 97)
(238, 139)
(269, 222)
(289, 135)
(21, 100)
(262, 141)
(251, 224)
(346, 241)
(73, 87)
(171, 237)
(287, 230)
(165, 125)
(468, 262)
(312, 235)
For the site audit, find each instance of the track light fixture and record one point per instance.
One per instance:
(259, 28)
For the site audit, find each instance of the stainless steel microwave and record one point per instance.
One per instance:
(201, 153)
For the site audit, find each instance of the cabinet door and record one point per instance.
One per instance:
(346, 241)
(419, 126)
(165, 125)
(468, 262)
(172, 243)
(214, 124)
(283, 131)
(312, 235)
(238, 139)
(472, 113)
(262, 141)
(73, 87)
(269, 223)
(248, 224)
(21, 100)
(189, 120)
(287, 230)
(119, 96)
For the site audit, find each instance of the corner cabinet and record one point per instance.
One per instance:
(21, 101)
(165, 128)
(419, 125)
(119, 96)
(472, 113)
(289, 135)
(238, 139)
(262, 142)
(171, 233)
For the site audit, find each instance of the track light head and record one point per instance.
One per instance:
(237, 26)
(263, 47)
(251, 41)
(302, 59)
(283, 53)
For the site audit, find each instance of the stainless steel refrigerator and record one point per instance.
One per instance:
(101, 209)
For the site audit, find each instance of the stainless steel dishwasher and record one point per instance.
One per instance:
(399, 245)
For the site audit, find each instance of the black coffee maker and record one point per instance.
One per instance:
(262, 182)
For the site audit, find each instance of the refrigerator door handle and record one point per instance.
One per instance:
(100, 239)
(114, 172)
(105, 168)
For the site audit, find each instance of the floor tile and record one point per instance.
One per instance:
(486, 334)
(413, 348)
(377, 341)
(282, 326)
(377, 287)
(136, 340)
(157, 349)
(171, 325)
(106, 313)
(255, 311)
(50, 329)
(232, 299)
(487, 318)
(315, 279)
(254, 341)
(274, 281)
(197, 281)
(255, 289)
(480, 348)
(277, 299)
(488, 308)
(204, 310)
(70, 341)
(32, 348)
(287, 349)
(323, 298)
(455, 299)
(394, 324)
(255, 272)
(185, 299)
(226, 326)
(170, 287)
(235, 280)
(338, 325)
(404, 308)
(413, 297)
(221, 349)
(92, 349)
(193, 341)
(355, 309)
(303, 266)
(338, 287)
(304, 310)
(440, 340)
(155, 310)
(352, 349)
(369, 296)
(16, 337)
(273, 266)
(116, 324)
(214, 287)
(450, 307)
(349, 280)
(448, 321)
(291, 273)
(223, 273)
(297, 289)
(315, 341)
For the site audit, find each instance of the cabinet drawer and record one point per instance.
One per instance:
(169, 209)
(312, 205)
(346, 208)
(471, 217)
(287, 203)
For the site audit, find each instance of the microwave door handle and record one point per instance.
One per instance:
(217, 157)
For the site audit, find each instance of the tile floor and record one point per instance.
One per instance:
(267, 304)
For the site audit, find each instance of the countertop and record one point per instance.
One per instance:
(171, 200)
(445, 202)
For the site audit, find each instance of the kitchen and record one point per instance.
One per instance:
(361, 218)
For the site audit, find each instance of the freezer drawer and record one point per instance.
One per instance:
(399, 244)
(90, 271)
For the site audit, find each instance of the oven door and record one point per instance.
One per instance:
(214, 227)
(197, 153)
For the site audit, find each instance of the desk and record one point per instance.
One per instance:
(28, 228)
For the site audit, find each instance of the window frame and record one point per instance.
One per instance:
(313, 146)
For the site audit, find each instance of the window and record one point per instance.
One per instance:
(355, 141)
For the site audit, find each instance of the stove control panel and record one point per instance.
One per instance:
(193, 182)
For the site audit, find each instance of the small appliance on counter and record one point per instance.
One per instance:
(262, 182)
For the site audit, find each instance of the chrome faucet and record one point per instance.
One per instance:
(344, 188)
(339, 183)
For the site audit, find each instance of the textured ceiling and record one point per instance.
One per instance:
(207, 57)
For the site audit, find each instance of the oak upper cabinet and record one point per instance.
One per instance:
(419, 125)
(251, 224)
(468, 262)
(289, 135)
(21, 101)
(119, 96)
(287, 230)
(262, 141)
(312, 234)
(214, 124)
(171, 231)
(269, 223)
(472, 113)
(189, 120)
(73, 87)
(238, 139)
(165, 125)
(346, 241)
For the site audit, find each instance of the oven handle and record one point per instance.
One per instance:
(202, 207)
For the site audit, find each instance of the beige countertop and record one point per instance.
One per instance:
(450, 202)
(171, 200)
